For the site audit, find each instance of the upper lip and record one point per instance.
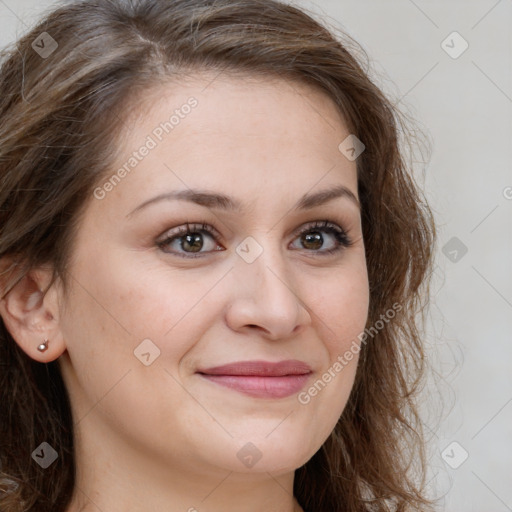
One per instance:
(260, 368)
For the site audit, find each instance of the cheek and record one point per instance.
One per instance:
(132, 300)
(341, 304)
(111, 310)
(115, 304)
(341, 311)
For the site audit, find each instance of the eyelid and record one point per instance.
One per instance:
(187, 227)
(321, 224)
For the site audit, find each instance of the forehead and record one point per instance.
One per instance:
(238, 133)
(236, 104)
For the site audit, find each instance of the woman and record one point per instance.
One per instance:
(213, 256)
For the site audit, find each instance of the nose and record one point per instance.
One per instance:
(264, 299)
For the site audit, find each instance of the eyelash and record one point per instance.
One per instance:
(341, 236)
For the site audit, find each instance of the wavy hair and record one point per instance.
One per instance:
(61, 114)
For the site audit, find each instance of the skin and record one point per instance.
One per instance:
(160, 437)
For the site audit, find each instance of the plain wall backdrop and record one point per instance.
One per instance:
(448, 63)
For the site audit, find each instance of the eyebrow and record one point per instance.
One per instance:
(223, 202)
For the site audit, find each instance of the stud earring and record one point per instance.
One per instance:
(43, 346)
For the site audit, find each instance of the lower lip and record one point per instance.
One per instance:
(261, 387)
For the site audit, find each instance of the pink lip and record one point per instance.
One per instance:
(261, 378)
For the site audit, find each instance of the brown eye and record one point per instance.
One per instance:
(190, 239)
(313, 238)
(192, 243)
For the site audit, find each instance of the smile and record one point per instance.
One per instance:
(262, 387)
(261, 379)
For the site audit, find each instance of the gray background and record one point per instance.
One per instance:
(465, 105)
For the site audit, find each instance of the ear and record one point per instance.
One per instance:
(32, 316)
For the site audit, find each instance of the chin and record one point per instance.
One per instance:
(279, 455)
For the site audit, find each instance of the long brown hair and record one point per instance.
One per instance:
(60, 112)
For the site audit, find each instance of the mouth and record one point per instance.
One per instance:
(260, 379)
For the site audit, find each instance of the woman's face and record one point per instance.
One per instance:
(259, 277)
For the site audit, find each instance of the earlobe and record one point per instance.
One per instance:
(31, 317)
